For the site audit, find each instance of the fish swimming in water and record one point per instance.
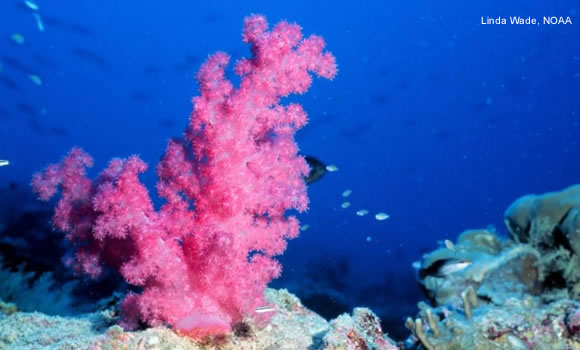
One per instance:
(444, 267)
(265, 309)
(449, 245)
(317, 169)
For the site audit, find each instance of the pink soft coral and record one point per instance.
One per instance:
(204, 259)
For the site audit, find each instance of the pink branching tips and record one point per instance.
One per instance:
(202, 260)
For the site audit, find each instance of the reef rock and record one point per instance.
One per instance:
(293, 327)
(521, 292)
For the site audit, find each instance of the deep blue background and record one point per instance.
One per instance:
(434, 118)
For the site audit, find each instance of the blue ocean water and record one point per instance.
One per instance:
(434, 118)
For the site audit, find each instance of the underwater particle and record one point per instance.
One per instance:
(346, 193)
(304, 227)
(31, 5)
(345, 205)
(369, 239)
(382, 216)
(17, 38)
(362, 212)
(449, 245)
(331, 168)
(4, 162)
(39, 23)
(35, 79)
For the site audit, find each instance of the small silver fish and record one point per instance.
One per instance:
(35, 79)
(39, 23)
(331, 168)
(449, 245)
(17, 38)
(382, 216)
(31, 5)
(4, 162)
(362, 212)
(265, 309)
(452, 266)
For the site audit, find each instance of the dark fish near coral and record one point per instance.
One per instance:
(9, 83)
(27, 109)
(189, 62)
(45, 62)
(15, 64)
(75, 28)
(54, 22)
(4, 114)
(80, 29)
(92, 57)
(356, 133)
(317, 170)
(38, 128)
(444, 267)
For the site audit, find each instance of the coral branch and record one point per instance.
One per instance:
(204, 259)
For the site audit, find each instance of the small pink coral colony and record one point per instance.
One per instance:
(204, 259)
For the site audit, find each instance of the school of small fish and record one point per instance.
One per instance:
(19, 39)
(361, 212)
